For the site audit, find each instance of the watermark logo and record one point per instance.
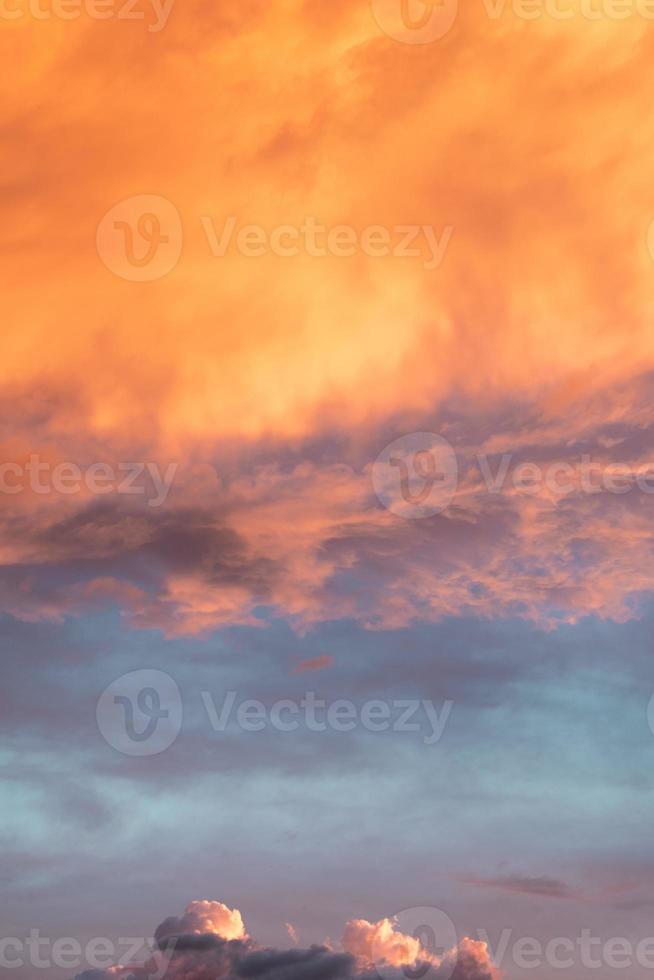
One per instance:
(416, 475)
(140, 713)
(425, 21)
(435, 932)
(140, 238)
(316, 240)
(313, 714)
(444, 950)
(40, 476)
(153, 13)
(98, 954)
(650, 714)
(415, 21)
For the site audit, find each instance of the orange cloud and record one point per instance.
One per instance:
(544, 289)
(204, 917)
(375, 942)
(276, 115)
(313, 543)
(203, 944)
(381, 945)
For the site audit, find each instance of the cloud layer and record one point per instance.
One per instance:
(544, 290)
(202, 945)
(272, 382)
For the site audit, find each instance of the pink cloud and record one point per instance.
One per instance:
(314, 663)
(209, 943)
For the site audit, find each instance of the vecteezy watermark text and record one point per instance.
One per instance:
(319, 715)
(426, 21)
(99, 953)
(440, 939)
(141, 714)
(43, 477)
(566, 952)
(319, 241)
(154, 12)
(140, 239)
(417, 476)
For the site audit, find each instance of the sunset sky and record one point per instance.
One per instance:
(264, 263)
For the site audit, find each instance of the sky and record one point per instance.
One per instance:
(326, 489)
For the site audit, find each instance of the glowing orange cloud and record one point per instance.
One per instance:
(531, 287)
(374, 942)
(201, 945)
(202, 917)
(544, 288)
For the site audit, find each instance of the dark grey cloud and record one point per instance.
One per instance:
(542, 885)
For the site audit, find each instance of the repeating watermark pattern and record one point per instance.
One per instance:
(315, 714)
(99, 953)
(42, 477)
(339, 241)
(565, 10)
(141, 714)
(434, 929)
(426, 21)
(437, 935)
(140, 239)
(154, 14)
(416, 476)
(650, 714)
(585, 950)
(415, 21)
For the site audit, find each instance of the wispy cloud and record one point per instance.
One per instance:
(541, 886)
